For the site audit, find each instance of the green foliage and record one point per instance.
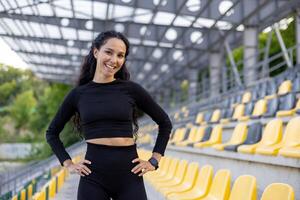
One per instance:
(48, 103)
(27, 106)
(6, 91)
(289, 39)
(22, 108)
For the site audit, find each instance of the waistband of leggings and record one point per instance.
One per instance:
(103, 146)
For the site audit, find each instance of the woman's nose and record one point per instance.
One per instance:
(113, 59)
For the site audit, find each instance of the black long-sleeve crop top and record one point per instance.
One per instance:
(105, 110)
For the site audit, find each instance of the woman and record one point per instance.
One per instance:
(104, 108)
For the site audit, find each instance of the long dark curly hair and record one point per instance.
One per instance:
(88, 68)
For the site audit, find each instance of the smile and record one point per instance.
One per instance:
(110, 67)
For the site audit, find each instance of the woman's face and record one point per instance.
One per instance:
(110, 57)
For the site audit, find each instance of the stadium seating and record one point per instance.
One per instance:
(286, 103)
(177, 178)
(278, 191)
(186, 183)
(271, 135)
(289, 112)
(259, 109)
(199, 138)
(178, 136)
(290, 142)
(200, 188)
(253, 136)
(196, 134)
(220, 187)
(238, 136)
(215, 138)
(244, 188)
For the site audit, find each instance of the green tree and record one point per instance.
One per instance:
(22, 108)
(6, 91)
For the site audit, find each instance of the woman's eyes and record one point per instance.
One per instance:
(110, 53)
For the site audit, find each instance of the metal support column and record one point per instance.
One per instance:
(265, 69)
(193, 81)
(215, 69)
(250, 51)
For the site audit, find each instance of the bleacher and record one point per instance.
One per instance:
(250, 139)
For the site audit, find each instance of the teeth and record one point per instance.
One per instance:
(110, 67)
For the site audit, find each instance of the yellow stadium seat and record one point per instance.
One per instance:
(192, 133)
(188, 180)
(244, 188)
(290, 145)
(215, 138)
(197, 136)
(178, 135)
(238, 136)
(170, 172)
(200, 134)
(285, 87)
(200, 188)
(238, 112)
(246, 97)
(178, 177)
(285, 113)
(199, 118)
(162, 171)
(290, 142)
(260, 108)
(215, 116)
(278, 191)
(220, 187)
(175, 133)
(271, 135)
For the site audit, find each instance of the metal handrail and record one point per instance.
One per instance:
(15, 179)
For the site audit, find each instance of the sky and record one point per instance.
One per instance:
(9, 57)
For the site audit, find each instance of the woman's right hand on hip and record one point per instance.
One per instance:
(79, 168)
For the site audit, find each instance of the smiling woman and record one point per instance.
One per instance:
(104, 106)
(110, 59)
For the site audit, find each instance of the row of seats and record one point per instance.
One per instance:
(246, 138)
(177, 180)
(266, 91)
(282, 106)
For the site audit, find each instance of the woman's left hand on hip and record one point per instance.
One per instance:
(143, 166)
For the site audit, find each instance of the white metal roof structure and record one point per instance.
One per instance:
(167, 37)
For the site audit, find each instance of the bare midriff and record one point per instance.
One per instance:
(117, 141)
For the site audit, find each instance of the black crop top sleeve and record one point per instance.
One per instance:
(63, 115)
(146, 103)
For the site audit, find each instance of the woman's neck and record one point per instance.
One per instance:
(103, 79)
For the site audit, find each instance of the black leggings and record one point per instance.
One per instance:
(111, 175)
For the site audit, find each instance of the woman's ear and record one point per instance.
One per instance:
(95, 52)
